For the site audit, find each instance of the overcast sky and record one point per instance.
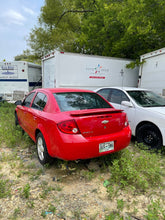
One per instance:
(17, 18)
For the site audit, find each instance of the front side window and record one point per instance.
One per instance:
(71, 101)
(117, 96)
(147, 98)
(27, 101)
(39, 101)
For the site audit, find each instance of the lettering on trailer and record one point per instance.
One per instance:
(97, 72)
(7, 71)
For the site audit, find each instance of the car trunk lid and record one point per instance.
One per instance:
(96, 122)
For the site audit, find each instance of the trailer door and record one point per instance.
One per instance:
(49, 73)
(152, 73)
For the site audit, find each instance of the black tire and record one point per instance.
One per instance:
(150, 136)
(16, 119)
(42, 152)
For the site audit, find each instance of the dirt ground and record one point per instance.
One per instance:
(74, 190)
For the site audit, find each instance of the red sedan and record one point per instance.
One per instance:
(72, 124)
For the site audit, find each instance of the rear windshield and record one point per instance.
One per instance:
(71, 101)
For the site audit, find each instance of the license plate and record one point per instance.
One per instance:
(107, 146)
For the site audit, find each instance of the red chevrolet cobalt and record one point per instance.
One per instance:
(72, 124)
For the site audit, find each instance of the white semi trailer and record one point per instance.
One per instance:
(63, 69)
(17, 78)
(152, 71)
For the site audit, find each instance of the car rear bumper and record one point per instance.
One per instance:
(74, 147)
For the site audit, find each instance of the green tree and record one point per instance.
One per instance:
(120, 28)
(59, 24)
(28, 56)
(143, 27)
(125, 28)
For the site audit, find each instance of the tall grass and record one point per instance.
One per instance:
(137, 169)
(10, 135)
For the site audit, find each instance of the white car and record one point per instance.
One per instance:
(145, 111)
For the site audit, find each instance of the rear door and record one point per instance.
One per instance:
(49, 71)
(35, 112)
(115, 97)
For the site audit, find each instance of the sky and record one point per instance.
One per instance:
(17, 18)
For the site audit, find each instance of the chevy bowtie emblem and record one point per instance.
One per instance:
(105, 122)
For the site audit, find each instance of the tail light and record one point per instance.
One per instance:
(69, 127)
(126, 123)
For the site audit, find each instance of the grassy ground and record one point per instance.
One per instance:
(126, 185)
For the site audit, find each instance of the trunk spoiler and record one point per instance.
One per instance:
(95, 112)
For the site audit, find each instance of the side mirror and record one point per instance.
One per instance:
(127, 104)
(18, 102)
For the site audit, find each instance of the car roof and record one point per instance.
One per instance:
(58, 90)
(123, 88)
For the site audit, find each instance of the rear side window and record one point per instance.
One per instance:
(71, 101)
(117, 96)
(39, 101)
(104, 93)
(27, 101)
